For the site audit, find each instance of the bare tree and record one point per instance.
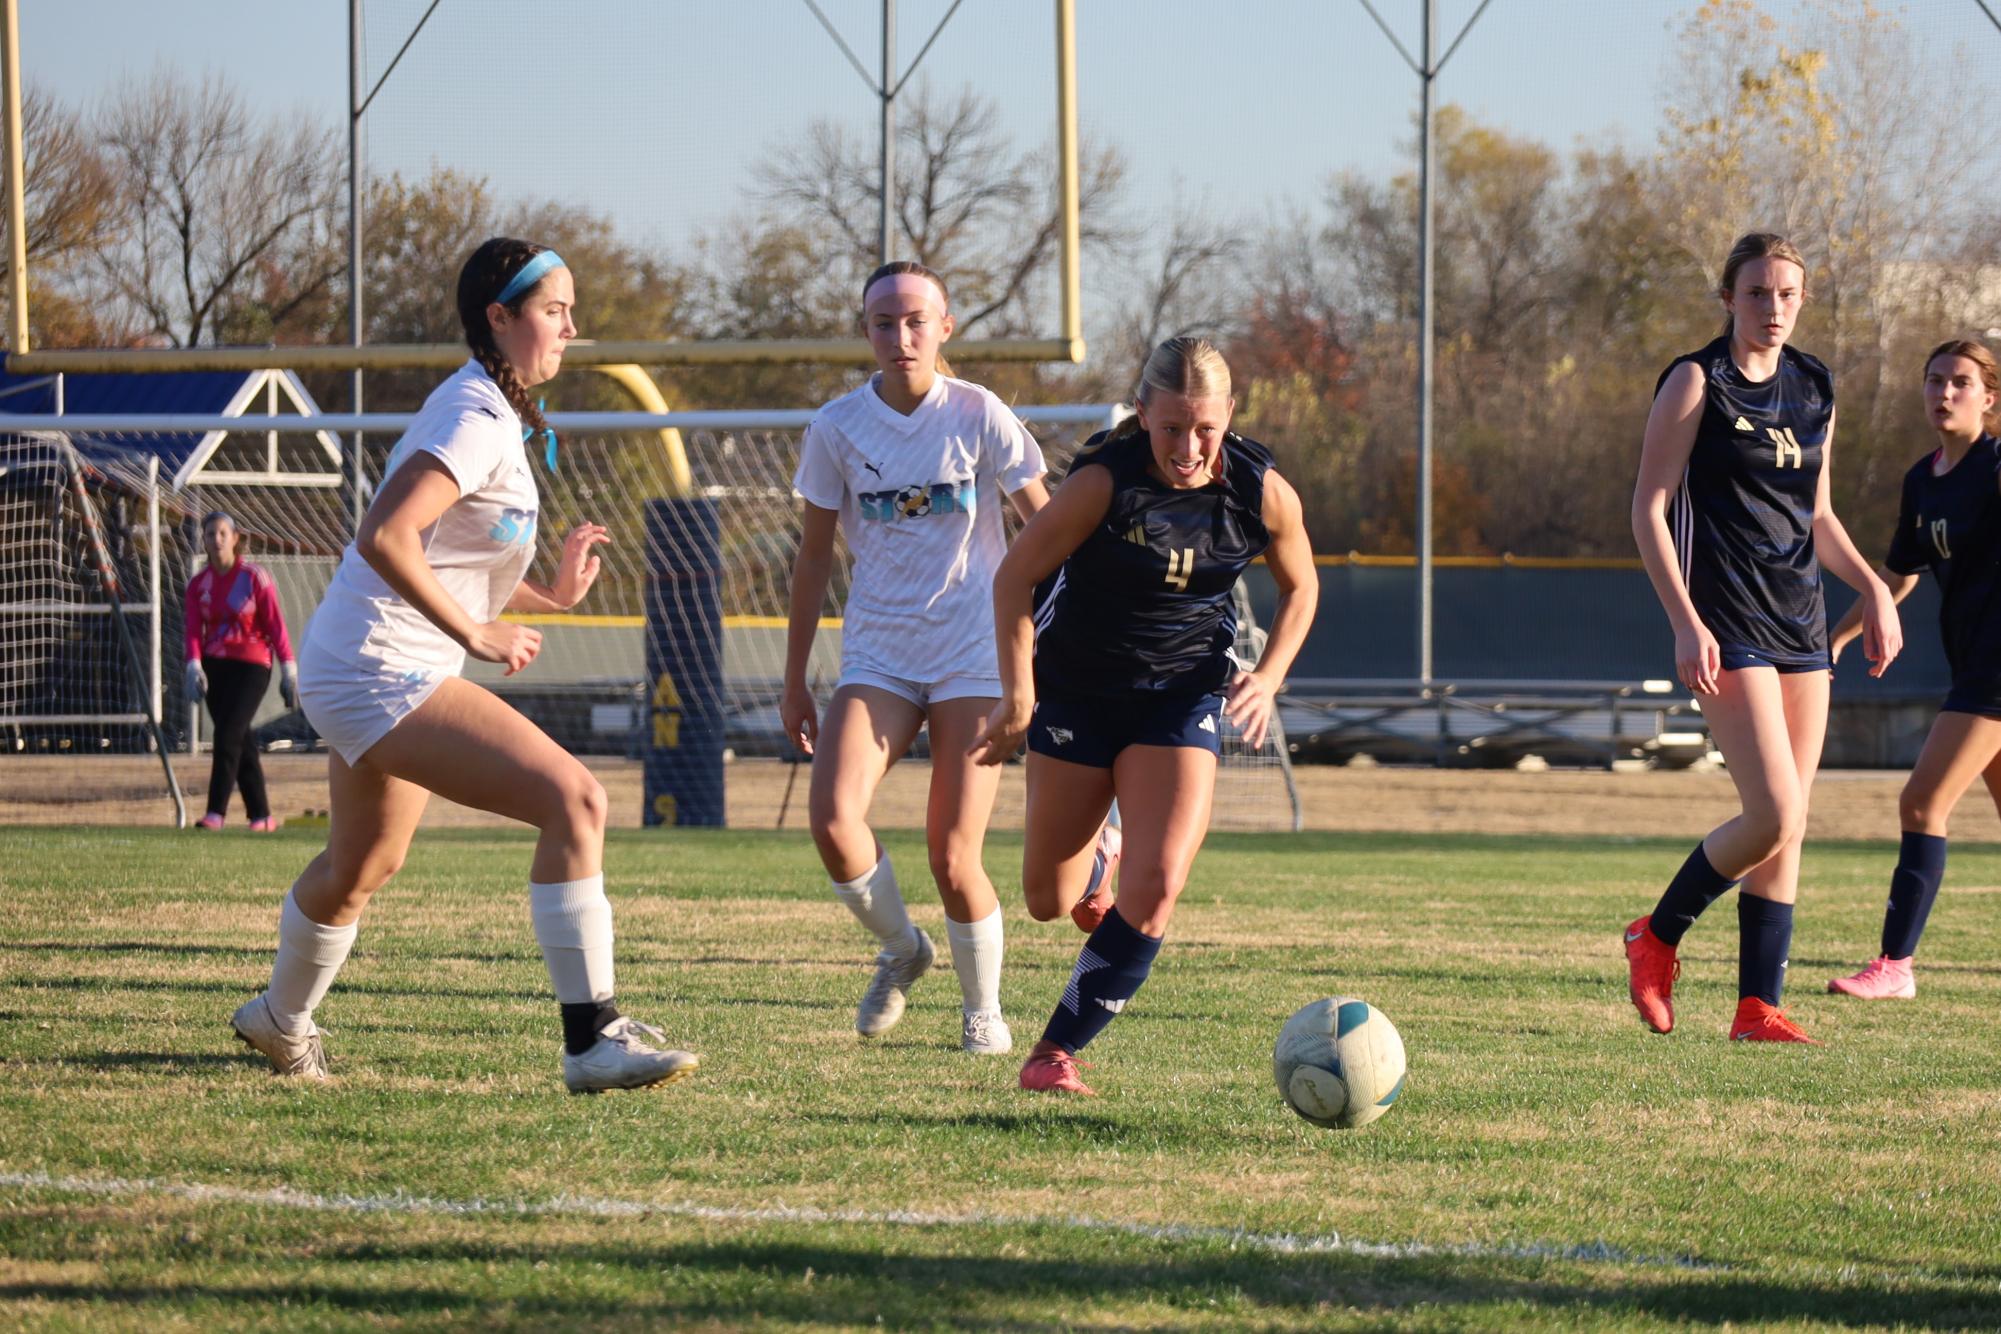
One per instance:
(971, 205)
(210, 201)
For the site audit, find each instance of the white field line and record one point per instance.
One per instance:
(584, 1206)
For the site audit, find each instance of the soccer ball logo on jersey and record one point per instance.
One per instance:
(919, 501)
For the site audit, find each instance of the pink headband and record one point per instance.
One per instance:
(907, 285)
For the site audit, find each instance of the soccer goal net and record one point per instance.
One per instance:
(690, 608)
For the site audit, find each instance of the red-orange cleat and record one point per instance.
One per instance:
(1089, 912)
(1758, 1022)
(1054, 1072)
(1652, 971)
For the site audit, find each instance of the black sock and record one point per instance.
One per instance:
(1913, 886)
(1764, 942)
(1110, 968)
(1694, 887)
(581, 1023)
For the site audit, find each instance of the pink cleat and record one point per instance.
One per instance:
(1757, 1021)
(267, 825)
(1652, 968)
(1053, 1072)
(1089, 912)
(1884, 979)
(211, 822)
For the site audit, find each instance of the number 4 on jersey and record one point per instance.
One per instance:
(1180, 566)
(1785, 448)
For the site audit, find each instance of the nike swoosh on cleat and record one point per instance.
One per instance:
(1632, 936)
(1739, 1037)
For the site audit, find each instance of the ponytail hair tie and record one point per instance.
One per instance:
(548, 433)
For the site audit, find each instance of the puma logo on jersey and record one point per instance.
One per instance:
(1060, 736)
(872, 468)
(1743, 425)
(1136, 535)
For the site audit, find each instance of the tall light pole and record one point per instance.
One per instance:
(1427, 73)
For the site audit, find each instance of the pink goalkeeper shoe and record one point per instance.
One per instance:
(267, 825)
(1884, 979)
(210, 822)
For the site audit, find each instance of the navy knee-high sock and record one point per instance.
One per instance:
(1110, 968)
(1694, 887)
(1913, 886)
(1764, 942)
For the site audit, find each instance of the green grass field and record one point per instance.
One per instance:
(1551, 1164)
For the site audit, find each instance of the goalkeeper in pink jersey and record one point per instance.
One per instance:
(234, 629)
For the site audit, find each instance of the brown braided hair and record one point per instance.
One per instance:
(896, 267)
(486, 273)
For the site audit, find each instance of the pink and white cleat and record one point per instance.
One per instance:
(1884, 979)
(1089, 912)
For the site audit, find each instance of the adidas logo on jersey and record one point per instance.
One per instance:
(1743, 425)
(1209, 722)
(1136, 535)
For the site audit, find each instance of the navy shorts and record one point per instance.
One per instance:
(1094, 731)
(1736, 657)
(1980, 696)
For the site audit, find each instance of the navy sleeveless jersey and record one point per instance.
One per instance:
(1743, 519)
(1951, 525)
(1143, 606)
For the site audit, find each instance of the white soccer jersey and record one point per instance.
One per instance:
(919, 499)
(479, 548)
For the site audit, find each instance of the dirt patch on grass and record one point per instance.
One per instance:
(766, 794)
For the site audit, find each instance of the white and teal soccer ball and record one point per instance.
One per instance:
(1339, 1063)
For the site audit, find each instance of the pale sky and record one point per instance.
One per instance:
(654, 110)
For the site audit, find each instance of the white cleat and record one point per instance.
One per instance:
(302, 1057)
(985, 1033)
(622, 1059)
(889, 990)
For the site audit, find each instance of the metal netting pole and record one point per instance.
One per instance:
(354, 275)
(886, 244)
(1425, 172)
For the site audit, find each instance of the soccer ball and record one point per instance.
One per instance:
(1339, 1063)
(914, 502)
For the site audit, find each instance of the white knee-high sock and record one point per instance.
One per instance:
(976, 957)
(309, 955)
(874, 900)
(573, 927)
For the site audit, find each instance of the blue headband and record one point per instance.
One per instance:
(530, 274)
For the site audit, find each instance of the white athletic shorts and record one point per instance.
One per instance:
(354, 701)
(924, 693)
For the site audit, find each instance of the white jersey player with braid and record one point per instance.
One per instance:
(911, 467)
(442, 552)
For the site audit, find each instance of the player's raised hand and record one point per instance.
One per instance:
(515, 646)
(800, 717)
(1698, 659)
(1251, 702)
(580, 566)
(1006, 728)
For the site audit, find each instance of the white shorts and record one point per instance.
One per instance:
(924, 693)
(353, 702)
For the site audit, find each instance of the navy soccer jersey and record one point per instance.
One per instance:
(1743, 519)
(1143, 606)
(1951, 525)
